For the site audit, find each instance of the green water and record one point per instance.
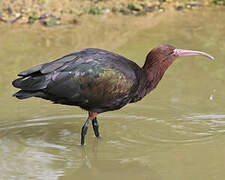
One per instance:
(177, 132)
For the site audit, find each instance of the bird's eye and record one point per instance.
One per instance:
(171, 53)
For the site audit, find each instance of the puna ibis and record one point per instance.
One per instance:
(97, 80)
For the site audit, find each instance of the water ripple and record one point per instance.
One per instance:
(58, 131)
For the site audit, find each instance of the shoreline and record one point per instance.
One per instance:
(51, 14)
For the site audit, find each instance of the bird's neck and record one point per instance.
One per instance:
(154, 73)
(149, 79)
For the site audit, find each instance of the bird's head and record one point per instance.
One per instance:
(164, 55)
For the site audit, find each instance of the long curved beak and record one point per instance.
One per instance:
(182, 52)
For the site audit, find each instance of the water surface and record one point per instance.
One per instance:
(176, 132)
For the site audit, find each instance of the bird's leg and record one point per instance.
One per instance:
(95, 127)
(92, 115)
(84, 130)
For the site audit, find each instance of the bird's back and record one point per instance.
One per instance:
(94, 79)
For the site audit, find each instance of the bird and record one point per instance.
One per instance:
(97, 80)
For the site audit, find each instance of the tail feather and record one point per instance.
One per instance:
(27, 94)
(31, 83)
(31, 71)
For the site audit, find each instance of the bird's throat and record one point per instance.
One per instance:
(154, 74)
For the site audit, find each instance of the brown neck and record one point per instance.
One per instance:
(154, 71)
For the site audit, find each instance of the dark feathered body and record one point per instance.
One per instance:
(94, 79)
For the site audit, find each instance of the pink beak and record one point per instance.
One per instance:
(182, 52)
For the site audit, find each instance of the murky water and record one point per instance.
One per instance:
(176, 132)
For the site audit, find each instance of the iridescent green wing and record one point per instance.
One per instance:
(94, 82)
(102, 84)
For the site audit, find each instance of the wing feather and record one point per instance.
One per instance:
(93, 79)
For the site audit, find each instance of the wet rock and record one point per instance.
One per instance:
(219, 2)
(10, 20)
(151, 8)
(193, 4)
(114, 9)
(32, 19)
(75, 21)
(24, 10)
(179, 8)
(134, 7)
(107, 11)
(95, 10)
(161, 9)
(9, 11)
(49, 20)
(124, 11)
(9, 16)
(2, 19)
(44, 16)
(51, 23)
(140, 13)
(16, 19)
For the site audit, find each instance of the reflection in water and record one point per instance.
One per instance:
(28, 151)
(177, 132)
